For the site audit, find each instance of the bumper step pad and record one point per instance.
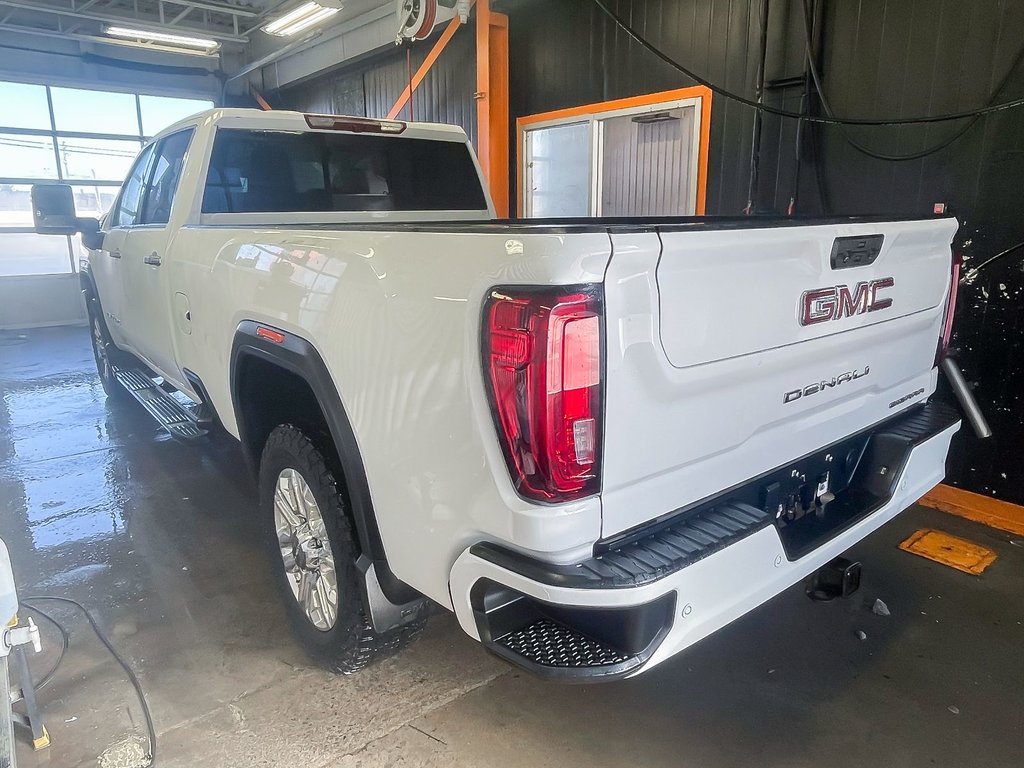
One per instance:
(550, 644)
(182, 421)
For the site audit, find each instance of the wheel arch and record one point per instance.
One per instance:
(297, 357)
(88, 284)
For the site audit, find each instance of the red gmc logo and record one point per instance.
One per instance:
(824, 304)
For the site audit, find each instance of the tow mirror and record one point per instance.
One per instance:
(53, 209)
(53, 213)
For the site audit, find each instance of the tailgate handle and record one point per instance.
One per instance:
(860, 251)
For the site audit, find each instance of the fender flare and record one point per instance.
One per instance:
(88, 285)
(300, 357)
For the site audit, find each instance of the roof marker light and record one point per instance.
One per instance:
(354, 124)
(270, 335)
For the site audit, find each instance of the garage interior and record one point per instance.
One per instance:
(155, 537)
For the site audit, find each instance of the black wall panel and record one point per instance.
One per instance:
(566, 53)
(910, 57)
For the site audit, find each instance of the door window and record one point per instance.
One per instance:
(167, 165)
(127, 213)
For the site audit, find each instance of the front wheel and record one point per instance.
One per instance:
(313, 553)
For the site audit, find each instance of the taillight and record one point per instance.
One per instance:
(947, 323)
(542, 356)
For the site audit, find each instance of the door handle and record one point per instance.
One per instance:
(153, 259)
(115, 254)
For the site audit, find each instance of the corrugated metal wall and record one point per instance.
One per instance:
(370, 88)
(895, 58)
(567, 53)
(880, 58)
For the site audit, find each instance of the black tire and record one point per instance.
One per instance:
(351, 643)
(104, 352)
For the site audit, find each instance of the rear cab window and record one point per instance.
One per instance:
(276, 171)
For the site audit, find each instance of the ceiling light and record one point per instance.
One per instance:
(163, 37)
(298, 19)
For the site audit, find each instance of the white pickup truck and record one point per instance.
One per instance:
(595, 441)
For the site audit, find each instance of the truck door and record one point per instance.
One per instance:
(147, 294)
(107, 263)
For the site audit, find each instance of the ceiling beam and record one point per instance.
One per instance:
(232, 10)
(212, 60)
(179, 17)
(113, 19)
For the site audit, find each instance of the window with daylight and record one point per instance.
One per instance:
(641, 156)
(86, 138)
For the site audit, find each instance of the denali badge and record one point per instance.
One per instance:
(824, 304)
(818, 386)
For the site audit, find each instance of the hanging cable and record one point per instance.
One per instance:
(408, 74)
(755, 142)
(619, 22)
(816, 76)
(970, 274)
(147, 715)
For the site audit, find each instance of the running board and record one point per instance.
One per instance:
(184, 422)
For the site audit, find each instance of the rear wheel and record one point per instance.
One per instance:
(313, 553)
(104, 352)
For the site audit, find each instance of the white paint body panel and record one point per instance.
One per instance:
(395, 313)
(675, 435)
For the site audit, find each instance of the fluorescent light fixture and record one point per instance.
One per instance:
(163, 37)
(300, 18)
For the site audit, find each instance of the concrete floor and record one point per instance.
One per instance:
(159, 539)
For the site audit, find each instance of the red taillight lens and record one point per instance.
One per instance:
(947, 325)
(542, 355)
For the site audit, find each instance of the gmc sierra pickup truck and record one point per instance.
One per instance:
(595, 441)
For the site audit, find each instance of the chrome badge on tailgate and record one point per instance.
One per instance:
(820, 386)
(836, 302)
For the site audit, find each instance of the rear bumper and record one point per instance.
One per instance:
(627, 610)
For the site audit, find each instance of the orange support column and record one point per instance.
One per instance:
(492, 101)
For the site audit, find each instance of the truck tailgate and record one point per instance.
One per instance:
(735, 351)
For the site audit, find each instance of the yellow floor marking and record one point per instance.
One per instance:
(981, 509)
(950, 550)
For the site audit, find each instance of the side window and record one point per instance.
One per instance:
(163, 183)
(128, 204)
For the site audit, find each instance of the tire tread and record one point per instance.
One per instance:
(360, 645)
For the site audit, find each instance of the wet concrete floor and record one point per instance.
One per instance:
(159, 540)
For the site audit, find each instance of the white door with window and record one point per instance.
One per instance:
(147, 296)
(614, 159)
(108, 263)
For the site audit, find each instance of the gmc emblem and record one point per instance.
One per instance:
(824, 304)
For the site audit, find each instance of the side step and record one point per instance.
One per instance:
(182, 421)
